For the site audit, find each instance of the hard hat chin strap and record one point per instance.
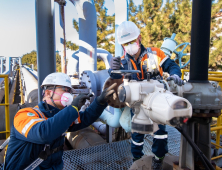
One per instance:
(52, 98)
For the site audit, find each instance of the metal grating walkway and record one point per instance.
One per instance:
(116, 155)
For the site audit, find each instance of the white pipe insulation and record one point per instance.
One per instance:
(31, 86)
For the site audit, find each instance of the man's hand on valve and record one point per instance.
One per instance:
(106, 94)
(177, 80)
(115, 63)
(80, 100)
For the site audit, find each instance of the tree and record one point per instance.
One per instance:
(215, 60)
(158, 21)
(31, 58)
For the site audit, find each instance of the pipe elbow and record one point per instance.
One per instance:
(111, 119)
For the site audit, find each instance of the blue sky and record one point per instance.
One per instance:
(17, 25)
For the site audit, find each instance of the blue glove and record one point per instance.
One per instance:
(177, 80)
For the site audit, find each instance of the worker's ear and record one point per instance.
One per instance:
(140, 38)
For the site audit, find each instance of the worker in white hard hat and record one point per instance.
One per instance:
(39, 132)
(150, 61)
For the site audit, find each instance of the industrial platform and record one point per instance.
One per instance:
(115, 155)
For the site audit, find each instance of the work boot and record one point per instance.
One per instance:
(157, 164)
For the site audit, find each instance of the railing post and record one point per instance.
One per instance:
(7, 122)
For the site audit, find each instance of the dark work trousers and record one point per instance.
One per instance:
(159, 147)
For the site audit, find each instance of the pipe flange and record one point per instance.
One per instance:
(88, 80)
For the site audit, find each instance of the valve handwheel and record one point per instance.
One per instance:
(180, 54)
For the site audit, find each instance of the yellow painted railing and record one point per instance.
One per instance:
(213, 76)
(6, 104)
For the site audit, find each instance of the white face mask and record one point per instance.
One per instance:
(66, 99)
(132, 49)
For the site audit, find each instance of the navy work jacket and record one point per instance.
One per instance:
(23, 149)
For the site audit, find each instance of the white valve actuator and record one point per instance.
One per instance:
(152, 103)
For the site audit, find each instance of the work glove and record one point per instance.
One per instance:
(106, 94)
(177, 80)
(115, 63)
(80, 100)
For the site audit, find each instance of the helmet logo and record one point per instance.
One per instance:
(68, 81)
(125, 35)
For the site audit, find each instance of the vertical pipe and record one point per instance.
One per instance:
(87, 36)
(45, 40)
(20, 62)
(2, 65)
(200, 41)
(7, 119)
(62, 13)
(121, 14)
(13, 64)
(8, 65)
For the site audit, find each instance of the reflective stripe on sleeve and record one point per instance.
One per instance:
(31, 123)
(160, 136)
(37, 109)
(138, 144)
(163, 61)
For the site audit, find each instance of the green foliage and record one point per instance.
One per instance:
(31, 58)
(215, 60)
(100, 65)
(72, 46)
(157, 22)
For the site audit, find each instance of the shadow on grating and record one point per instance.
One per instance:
(116, 155)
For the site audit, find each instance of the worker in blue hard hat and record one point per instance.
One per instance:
(150, 61)
(39, 132)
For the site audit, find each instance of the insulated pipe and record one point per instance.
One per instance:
(31, 86)
(111, 119)
(45, 40)
(84, 138)
(200, 41)
(121, 14)
(87, 35)
(105, 56)
(101, 127)
(1, 65)
(73, 61)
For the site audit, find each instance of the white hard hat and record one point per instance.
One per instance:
(127, 31)
(57, 79)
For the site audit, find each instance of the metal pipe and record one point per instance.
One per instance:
(87, 35)
(216, 157)
(62, 23)
(21, 88)
(200, 41)
(111, 119)
(121, 14)
(45, 40)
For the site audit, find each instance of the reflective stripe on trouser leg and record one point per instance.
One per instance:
(137, 145)
(159, 147)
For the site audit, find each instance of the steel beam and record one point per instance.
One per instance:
(45, 40)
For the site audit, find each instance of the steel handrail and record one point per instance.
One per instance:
(6, 104)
